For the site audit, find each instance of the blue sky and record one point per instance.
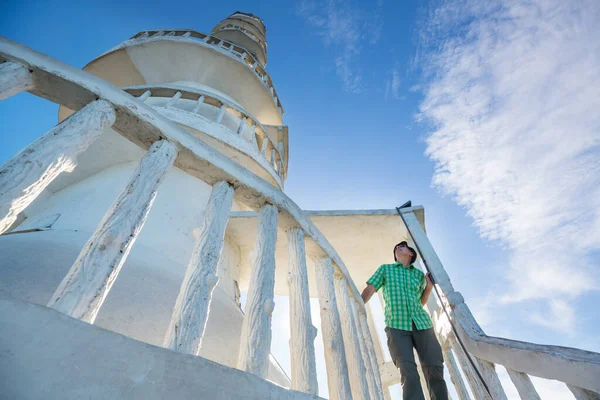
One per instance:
(484, 113)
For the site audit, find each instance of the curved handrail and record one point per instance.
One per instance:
(142, 125)
(228, 48)
(232, 27)
(217, 101)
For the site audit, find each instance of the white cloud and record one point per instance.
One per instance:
(392, 84)
(513, 94)
(560, 318)
(346, 28)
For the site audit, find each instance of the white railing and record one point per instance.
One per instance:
(579, 369)
(260, 29)
(231, 49)
(99, 105)
(348, 342)
(262, 147)
(232, 27)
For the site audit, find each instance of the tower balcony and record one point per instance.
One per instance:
(149, 58)
(222, 124)
(236, 32)
(249, 21)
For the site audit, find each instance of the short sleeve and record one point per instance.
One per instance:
(378, 278)
(423, 283)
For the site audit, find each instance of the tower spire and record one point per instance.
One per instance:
(246, 30)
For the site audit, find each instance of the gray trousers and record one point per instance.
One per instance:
(401, 344)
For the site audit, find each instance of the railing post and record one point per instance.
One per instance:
(488, 371)
(255, 341)
(475, 384)
(265, 145)
(242, 125)
(356, 366)
(173, 100)
(379, 357)
(338, 380)
(523, 384)
(303, 333)
(221, 113)
(253, 135)
(145, 95)
(455, 377)
(368, 354)
(84, 288)
(190, 313)
(583, 394)
(24, 176)
(14, 78)
(198, 104)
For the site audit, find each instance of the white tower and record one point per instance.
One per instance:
(140, 217)
(215, 87)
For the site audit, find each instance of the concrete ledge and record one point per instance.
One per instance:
(47, 355)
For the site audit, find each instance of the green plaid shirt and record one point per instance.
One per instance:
(402, 290)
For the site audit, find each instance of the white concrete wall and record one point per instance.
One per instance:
(141, 301)
(41, 364)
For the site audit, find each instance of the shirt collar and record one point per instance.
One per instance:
(397, 264)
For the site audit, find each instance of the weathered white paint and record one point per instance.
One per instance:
(338, 380)
(303, 333)
(14, 78)
(523, 384)
(84, 288)
(253, 136)
(583, 394)
(455, 376)
(221, 114)
(379, 357)
(255, 342)
(371, 372)
(242, 125)
(173, 100)
(374, 365)
(70, 359)
(199, 104)
(25, 175)
(582, 362)
(145, 95)
(190, 314)
(354, 357)
(488, 370)
(478, 390)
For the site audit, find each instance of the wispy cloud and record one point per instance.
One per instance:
(392, 84)
(513, 93)
(346, 27)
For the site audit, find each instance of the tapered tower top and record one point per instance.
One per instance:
(246, 30)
